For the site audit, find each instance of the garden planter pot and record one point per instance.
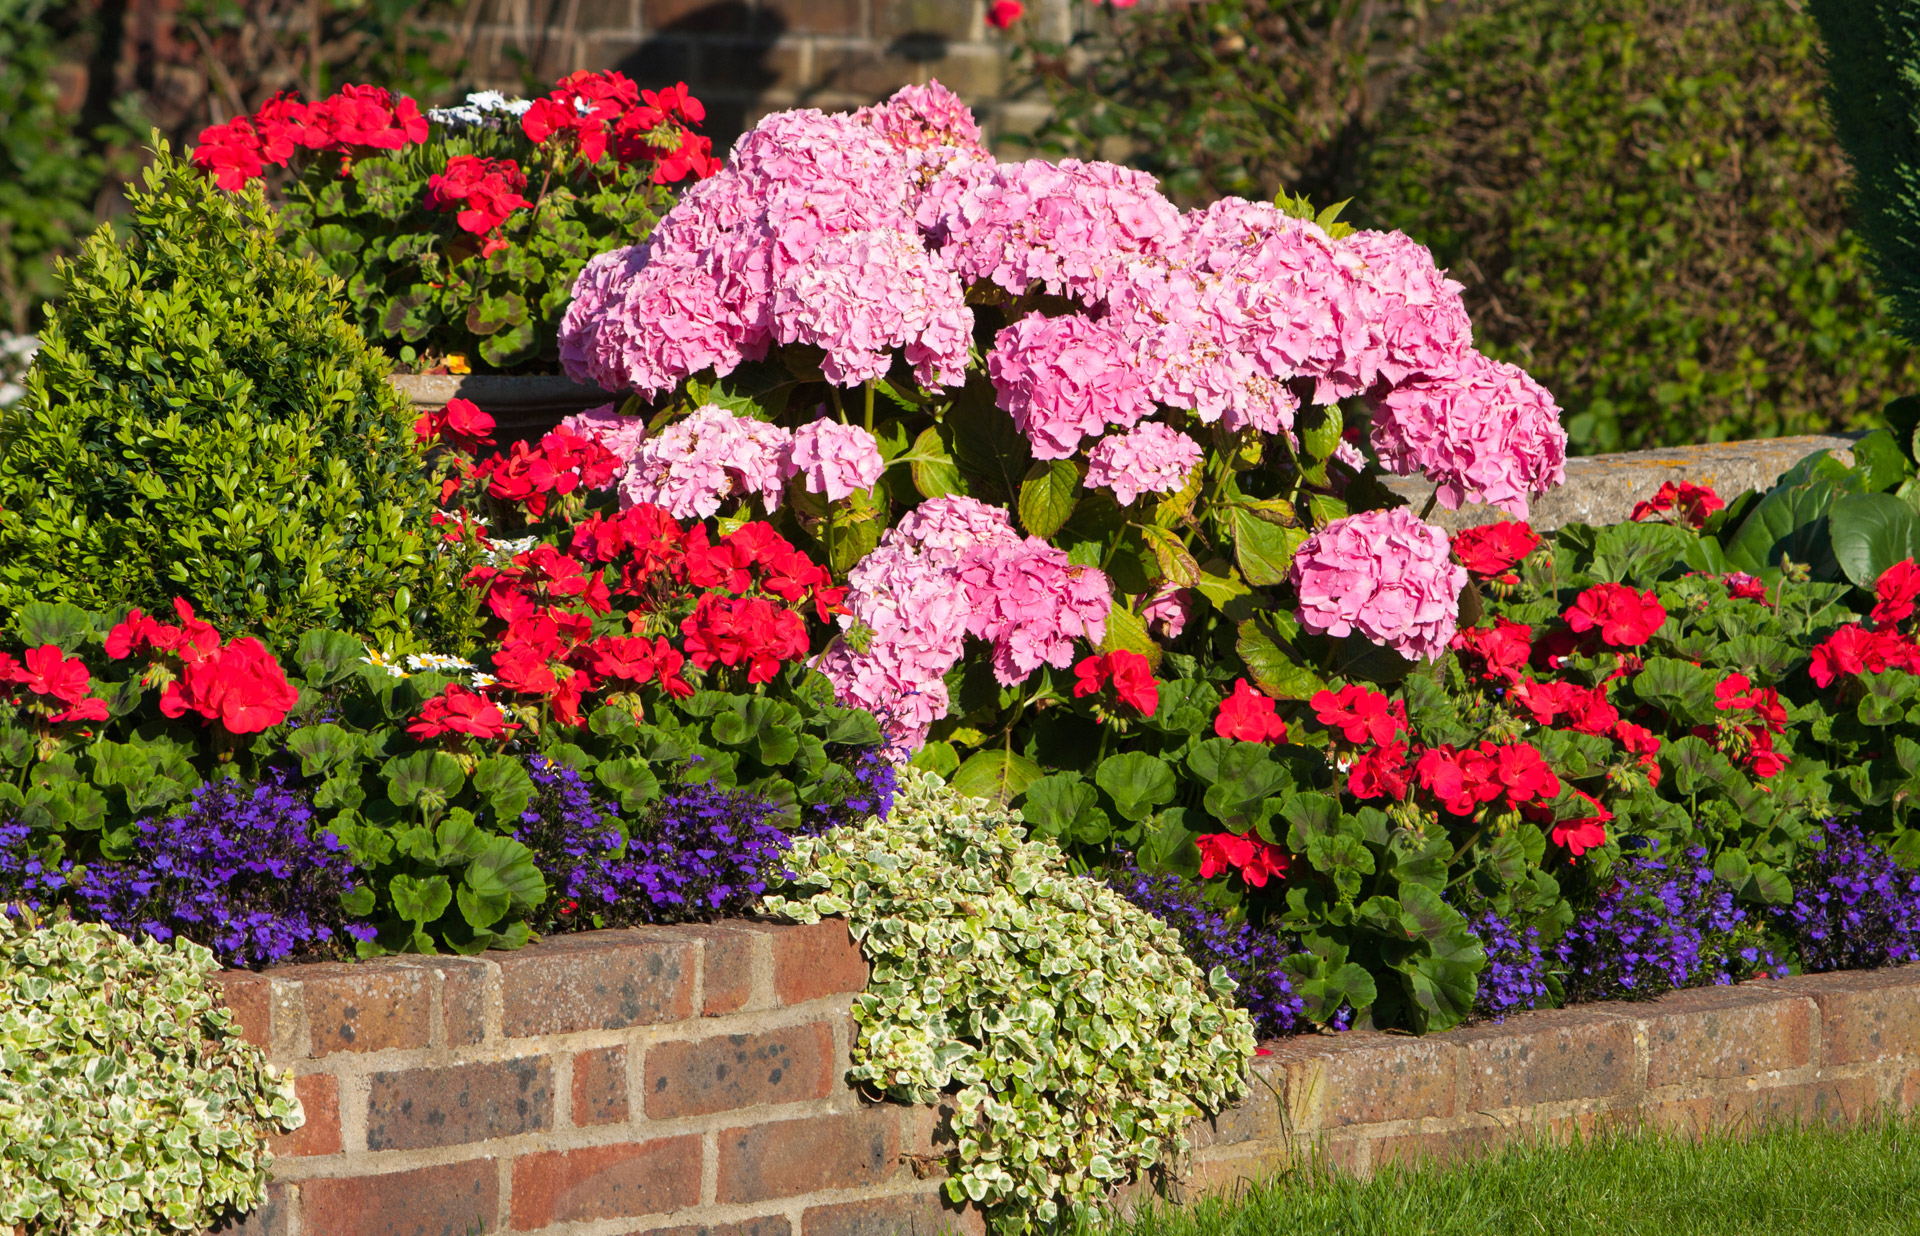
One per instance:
(523, 407)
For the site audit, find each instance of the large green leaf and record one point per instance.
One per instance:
(935, 474)
(999, 775)
(429, 779)
(1870, 533)
(1265, 644)
(1064, 806)
(1263, 549)
(1048, 495)
(1791, 520)
(1137, 783)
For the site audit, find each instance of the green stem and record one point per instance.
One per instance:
(833, 393)
(869, 385)
(1427, 510)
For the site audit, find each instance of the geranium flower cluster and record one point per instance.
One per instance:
(1683, 502)
(1491, 551)
(353, 119)
(591, 113)
(1253, 859)
(238, 685)
(1879, 644)
(741, 602)
(58, 688)
(480, 193)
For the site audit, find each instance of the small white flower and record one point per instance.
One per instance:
(481, 681)
(435, 661)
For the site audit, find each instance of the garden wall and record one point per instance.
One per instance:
(691, 1081)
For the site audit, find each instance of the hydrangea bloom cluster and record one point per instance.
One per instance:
(1384, 574)
(1854, 908)
(1417, 323)
(1152, 459)
(1250, 955)
(696, 464)
(618, 433)
(864, 294)
(1031, 603)
(908, 613)
(836, 459)
(1516, 973)
(1482, 431)
(1659, 927)
(1065, 379)
(239, 870)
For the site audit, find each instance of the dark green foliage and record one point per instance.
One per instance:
(1645, 204)
(47, 178)
(1873, 96)
(203, 423)
(1221, 97)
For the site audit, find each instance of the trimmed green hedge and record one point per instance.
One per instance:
(1653, 203)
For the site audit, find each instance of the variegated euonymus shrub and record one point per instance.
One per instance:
(129, 1104)
(1080, 1037)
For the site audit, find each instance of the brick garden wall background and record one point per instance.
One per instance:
(691, 1082)
(745, 58)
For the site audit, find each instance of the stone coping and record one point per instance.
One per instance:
(693, 1079)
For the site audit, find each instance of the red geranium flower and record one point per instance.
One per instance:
(460, 711)
(746, 631)
(1744, 587)
(1898, 587)
(1003, 13)
(461, 424)
(1491, 550)
(1361, 714)
(48, 671)
(1523, 773)
(1461, 780)
(1256, 861)
(190, 641)
(1503, 649)
(1583, 833)
(1131, 675)
(483, 191)
(1586, 709)
(1693, 502)
(89, 709)
(1381, 771)
(241, 686)
(1249, 716)
(1624, 617)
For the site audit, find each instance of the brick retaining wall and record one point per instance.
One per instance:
(691, 1081)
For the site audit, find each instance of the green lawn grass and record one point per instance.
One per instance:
(1785, 1180)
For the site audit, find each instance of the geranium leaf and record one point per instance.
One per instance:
(1048, 495)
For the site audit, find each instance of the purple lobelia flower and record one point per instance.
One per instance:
(26, 877)
(1854, 908)
(875, 779)
(1250, 954)
(1660, 926)
(240, 871)
(1516, 973)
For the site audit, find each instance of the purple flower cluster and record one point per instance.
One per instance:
(1854, 908)
(702, 853)
(875, 780)
(1660, 927)
(1516, 973)
(240, 871)
(1250, 954)
(25, 877)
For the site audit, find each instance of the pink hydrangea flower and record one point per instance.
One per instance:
(1065, 378)
(696, 464)
(1031, 603)
(863, 294)
(619, 433)
(1072, 227)
(1417, 322)
(1188, 332)
(921, 117)
(1384, 574)
(664, 320)
(836, 459)
(1151, 459)
(945, 530)
(1167, 611)
(1482, 431)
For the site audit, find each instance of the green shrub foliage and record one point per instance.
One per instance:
(129, 1103)
(201, 422)
(1873, 95)
(1644, 202)
(1081, 1038)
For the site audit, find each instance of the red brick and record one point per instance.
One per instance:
(1726, 1032)
(694, 17)
(606, 1182)
(1256, 1117)
(941, 19)
(788, 1158)
(921, 1213)
(729, 1072)
(320, 1098)
(1910, 1091)
(273, 1217)
(769, 1225)
(249, 997)
(463, 1001)
(1365, 1077)
(456, 1199)
(600, 1086)
(1232, 1175)
(816, 16)
(927, 1141)
(366, 1007)
(458, 1105)
(814, 961)
(726, 967)
(1865, 1015)
(1843, 1100)
(1547, 1057)
(601, 980)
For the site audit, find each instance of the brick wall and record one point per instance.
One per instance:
(691, 1082)
(745, 58)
